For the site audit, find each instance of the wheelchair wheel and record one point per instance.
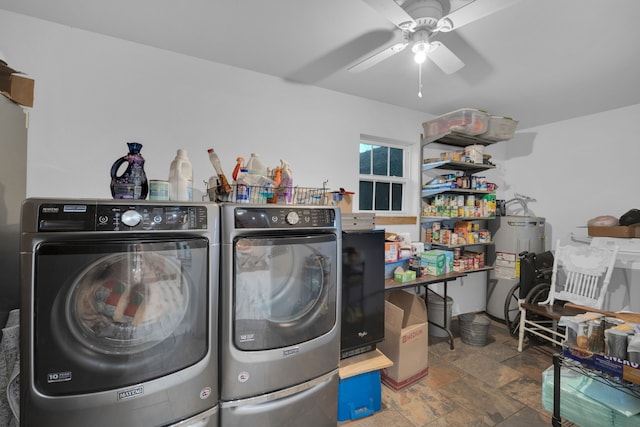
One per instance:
(512, 310)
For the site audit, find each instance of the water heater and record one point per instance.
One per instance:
(511, 235)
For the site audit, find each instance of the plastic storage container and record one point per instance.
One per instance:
(500, 128)
(466, 121)
(359, 396)
(181, 177)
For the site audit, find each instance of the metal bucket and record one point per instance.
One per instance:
(435, 313)
(474, 329)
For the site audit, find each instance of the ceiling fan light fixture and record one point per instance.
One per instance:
(421, 49)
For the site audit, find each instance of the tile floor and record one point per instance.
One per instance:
(493, 385)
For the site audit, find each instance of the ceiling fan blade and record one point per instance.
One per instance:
(444, 58)
(471, 12)
(378, 57)
(393, 12)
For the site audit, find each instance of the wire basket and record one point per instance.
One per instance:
(269, 194)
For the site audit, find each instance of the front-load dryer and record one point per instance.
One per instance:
(279, 307)
(119, 313)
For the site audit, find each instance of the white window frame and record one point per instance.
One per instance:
(404, 180)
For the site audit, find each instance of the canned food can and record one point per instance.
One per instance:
(582, 339)
(158, 189)
(454, 239)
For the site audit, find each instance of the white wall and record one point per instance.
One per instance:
(575, 169)
(95, 93)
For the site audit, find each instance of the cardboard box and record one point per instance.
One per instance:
(390, 251)
(406, 276)
(16, 87)
(343, 200)
(448, 259)
(618, 368)
(434, 262)
(406, 339)
(390, 267)
(615, 231)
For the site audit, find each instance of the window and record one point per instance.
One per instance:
(382, 177)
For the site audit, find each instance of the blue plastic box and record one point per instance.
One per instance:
(359, 396)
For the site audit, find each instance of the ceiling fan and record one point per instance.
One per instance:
(420, 20)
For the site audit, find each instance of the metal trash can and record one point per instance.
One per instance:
(435, 313)
(474, 329)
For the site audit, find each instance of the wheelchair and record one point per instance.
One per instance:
(533, 287)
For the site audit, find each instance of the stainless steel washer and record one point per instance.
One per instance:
(119, 313)
(280, 299)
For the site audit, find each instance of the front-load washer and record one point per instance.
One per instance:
(119, 313)
(279, 315)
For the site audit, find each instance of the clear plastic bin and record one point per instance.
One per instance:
(466, 121)
(500, 128)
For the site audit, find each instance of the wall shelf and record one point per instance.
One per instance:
(457, 139)
(455, 165)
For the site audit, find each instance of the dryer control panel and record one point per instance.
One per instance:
(120, 217)
(284, 217)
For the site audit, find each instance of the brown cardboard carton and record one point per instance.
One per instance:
(405, 339)
(615, 231)
(16, 87)
(343, 200)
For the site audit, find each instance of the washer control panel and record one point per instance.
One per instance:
(120, 217)
(284, 217)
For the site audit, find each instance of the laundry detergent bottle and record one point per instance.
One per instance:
(132, 183)
(181, 178)
(286, 182)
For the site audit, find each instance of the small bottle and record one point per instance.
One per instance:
(224, 187)
(243, 189)
(237, 168)
(286, 183)
(181, 177)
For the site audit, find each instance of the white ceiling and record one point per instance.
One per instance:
(539, 61)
